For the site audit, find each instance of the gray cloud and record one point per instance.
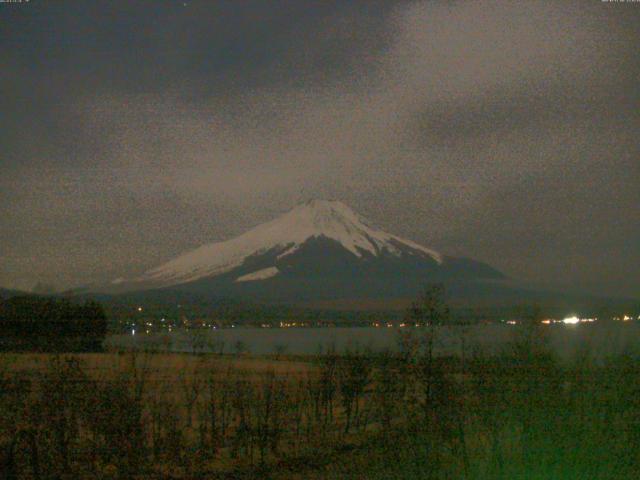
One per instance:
(502, 131)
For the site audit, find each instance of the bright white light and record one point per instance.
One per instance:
(139, 309)
(571, 320)
(133, 331)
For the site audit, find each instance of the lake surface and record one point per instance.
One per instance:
(600, 339)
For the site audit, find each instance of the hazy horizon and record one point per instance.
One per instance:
(498, 131)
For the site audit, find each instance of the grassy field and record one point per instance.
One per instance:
(516, 414)
(158, 365)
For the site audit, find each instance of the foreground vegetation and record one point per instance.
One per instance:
(520, 414)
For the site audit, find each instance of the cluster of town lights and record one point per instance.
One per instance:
(572, 320)
(569, 320)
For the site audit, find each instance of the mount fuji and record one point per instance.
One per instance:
(319, 251)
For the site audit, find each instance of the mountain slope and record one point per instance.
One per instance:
(318, 250)
(284, 236)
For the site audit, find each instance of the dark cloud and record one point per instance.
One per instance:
(498, 130)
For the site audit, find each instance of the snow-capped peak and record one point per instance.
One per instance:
(313, 219)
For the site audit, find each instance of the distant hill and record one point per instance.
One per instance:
(8, 293)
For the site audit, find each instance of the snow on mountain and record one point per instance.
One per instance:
(259, 275)
(286, 234)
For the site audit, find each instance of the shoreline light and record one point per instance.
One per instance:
(571, 320)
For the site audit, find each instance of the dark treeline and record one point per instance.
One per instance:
(123, 313)
(48, 324)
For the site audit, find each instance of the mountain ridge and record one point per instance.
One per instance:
(317, 251)
(285, 234)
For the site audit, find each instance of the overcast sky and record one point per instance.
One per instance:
(502, 131)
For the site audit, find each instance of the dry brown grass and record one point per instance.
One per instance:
(158, 368)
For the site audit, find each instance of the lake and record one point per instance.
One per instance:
(600, 339)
